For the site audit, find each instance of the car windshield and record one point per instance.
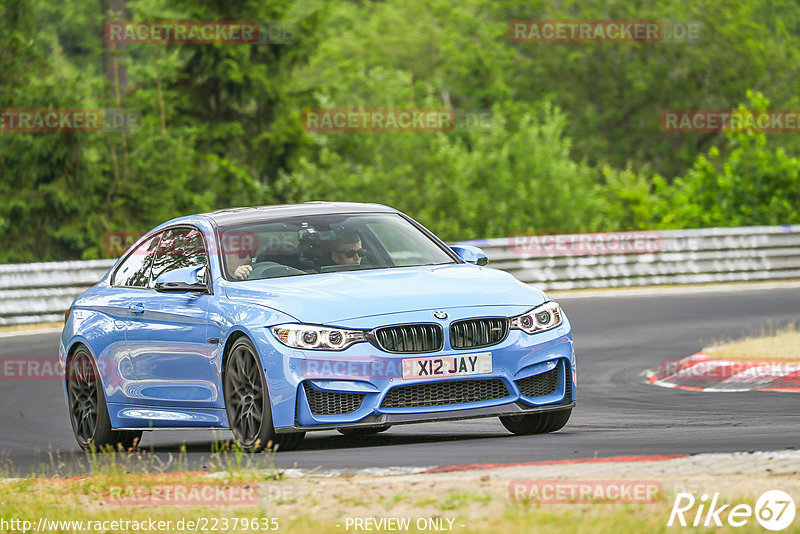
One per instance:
(325, 243)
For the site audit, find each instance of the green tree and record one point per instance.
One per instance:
(753, 185)
(514, 175)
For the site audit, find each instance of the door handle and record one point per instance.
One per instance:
(136, 308)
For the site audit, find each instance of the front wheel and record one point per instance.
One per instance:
(247, 402)
(536, 423)
(88, 412)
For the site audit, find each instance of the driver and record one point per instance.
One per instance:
(240, 264)
(346, 249)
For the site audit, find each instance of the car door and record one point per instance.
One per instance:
(131, 277)
(167, 332)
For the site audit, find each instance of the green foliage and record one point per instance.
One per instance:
(573, 144)
(753, 185)
(213, 131)
(514, 175)
(45, 178)
(612, 93)
(628, 201)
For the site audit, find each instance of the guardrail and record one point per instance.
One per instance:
(41, 292)
(708, 255)
(38, 292)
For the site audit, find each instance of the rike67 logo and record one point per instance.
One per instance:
(774, 510)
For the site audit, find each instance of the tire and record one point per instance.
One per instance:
(247, 402)
(365, 431)
(536, 423)
(88, 412)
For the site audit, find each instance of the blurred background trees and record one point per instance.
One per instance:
(573, 144)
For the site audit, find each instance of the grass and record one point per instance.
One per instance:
(772, 343)
(354, 501)
(307, 504)
(86, 500)
(456, 501)
(225, 458)
(426, 501)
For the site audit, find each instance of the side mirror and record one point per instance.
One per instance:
(470, 254)
(183, 279)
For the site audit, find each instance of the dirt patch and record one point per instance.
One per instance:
(781, 345)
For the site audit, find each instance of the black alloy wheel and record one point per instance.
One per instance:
(247, 402)
(88, 411)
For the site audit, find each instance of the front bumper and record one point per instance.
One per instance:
(513, 408)
(371, 374)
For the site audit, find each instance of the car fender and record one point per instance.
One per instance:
(254, 320)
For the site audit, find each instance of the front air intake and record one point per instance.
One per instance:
(332, 402)
(445, 393)
(539, 385)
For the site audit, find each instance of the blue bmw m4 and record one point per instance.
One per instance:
(278, 320)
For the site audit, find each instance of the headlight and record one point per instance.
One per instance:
(304, 336)
(544, 317)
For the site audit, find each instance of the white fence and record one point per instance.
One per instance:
(707, 255)
(37, 292)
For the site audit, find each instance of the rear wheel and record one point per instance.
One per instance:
(365, 431)
(247, 402)
(536, 423)
(88, 412)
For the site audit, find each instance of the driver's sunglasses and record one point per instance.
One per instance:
(350, 252)
(243, 255)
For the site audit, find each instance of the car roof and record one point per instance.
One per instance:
(231, 216)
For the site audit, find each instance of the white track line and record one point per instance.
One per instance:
(672, 290)
(38, 331)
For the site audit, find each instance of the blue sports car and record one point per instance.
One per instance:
(274, 321)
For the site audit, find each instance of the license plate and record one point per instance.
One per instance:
(461, 365)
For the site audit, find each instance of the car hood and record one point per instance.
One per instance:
(335, 297)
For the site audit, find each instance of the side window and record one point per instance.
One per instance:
(135, 270)
(179, 247)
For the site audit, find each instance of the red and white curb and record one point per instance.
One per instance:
(367, 471)
(767, 463)
(604, 460)
(698, 372)
(453, 469)
(785, 462)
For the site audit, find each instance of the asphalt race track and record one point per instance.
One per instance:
(617, 338)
